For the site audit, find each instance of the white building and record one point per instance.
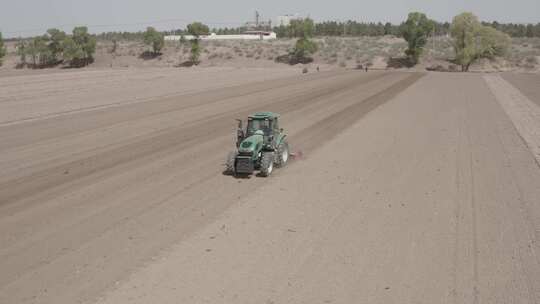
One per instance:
(249, 35)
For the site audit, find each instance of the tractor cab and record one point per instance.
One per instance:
(267, 122)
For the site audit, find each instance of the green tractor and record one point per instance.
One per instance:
(261, 146)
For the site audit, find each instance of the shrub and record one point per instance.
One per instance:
(154, 39)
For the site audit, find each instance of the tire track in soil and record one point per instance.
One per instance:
(183, 136)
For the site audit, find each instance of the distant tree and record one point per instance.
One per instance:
(491, 43)
(196, 29)
(303, 50)
(79, 48)
(530, 30)
(388, 29)
(472, 40)
(39, 51)
(301, 28)
(416, 31)
(304, 46)
(22, 51)
(55, 39)
(73, 52)
(2, 49)
(154, 39)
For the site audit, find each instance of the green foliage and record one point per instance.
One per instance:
(416, 31)
(463, 30)
(303, 28)
(195, 52)
(55, 38)
(303, 50)
(48, 49)
(73, 51)
(492, 43)
(155, 39)
(39, 51)
(2, 49)
(22, 51)
(198, 29)
(80, 47)
(85, 40)
(472, 40)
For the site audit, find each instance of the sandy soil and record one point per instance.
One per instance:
(524, 113)
(29, 96)
(526, 83)
(413, 188)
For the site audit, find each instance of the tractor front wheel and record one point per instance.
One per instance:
(267, 164)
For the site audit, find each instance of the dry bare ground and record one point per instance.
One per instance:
(414, 188)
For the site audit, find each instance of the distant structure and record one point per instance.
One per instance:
(248, 35)
(258, 25)
(255, 30)
(285, 20)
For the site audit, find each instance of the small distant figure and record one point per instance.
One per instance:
(366, 68)
(317, 68)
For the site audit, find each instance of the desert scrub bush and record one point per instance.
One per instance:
(533, 60)
(214, 56)
(154, 39)
(331, 61)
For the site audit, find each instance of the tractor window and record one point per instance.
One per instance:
(259, 124)
(275, 125)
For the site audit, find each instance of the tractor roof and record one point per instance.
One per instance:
(264, 115)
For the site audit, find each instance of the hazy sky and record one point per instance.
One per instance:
(26, 17)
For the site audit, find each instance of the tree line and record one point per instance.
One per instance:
(472, 39)
(354, 28)
(56, 47)
(347, 28)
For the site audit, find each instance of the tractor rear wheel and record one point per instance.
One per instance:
(282, 156)
(267, 164)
